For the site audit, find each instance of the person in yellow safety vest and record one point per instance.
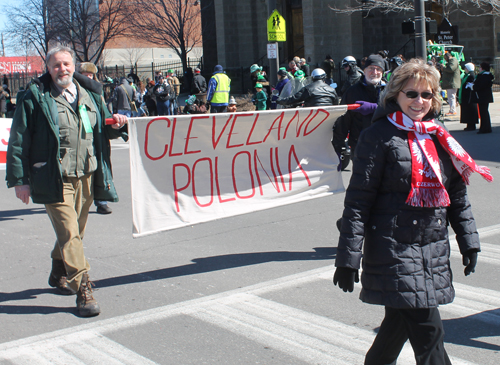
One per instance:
(218, 91)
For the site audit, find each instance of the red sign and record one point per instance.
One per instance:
(31, 64)
(4, 140)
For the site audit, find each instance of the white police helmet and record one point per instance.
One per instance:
(348, 61)
(318, 74)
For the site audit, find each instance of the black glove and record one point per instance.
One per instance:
(469, 259)
(345, 277)
(339, 223)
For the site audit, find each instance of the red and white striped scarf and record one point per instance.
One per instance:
(427, 188)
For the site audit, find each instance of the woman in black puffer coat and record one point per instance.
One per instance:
(403, 218)
(483, 88)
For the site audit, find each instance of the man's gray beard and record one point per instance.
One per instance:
(64, 83)
(371, 81)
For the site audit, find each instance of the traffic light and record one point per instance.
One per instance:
(431, 27)
(408, 27)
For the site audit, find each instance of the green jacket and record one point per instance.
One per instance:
(260, 100)
(450, 78)
(34, 139)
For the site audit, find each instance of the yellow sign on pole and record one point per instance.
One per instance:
(276, 27)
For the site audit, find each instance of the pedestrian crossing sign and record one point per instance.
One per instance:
(276, 27)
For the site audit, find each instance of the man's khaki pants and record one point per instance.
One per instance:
(69, 220)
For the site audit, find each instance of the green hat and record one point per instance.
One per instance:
(254, 68)
(282, 68)
(170, 71)
(261, 77)
(299, 74)
(190, 100)
(257, 85)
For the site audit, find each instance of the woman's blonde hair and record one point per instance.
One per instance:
(416, 69)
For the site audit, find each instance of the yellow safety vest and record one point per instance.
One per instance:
(221, 94)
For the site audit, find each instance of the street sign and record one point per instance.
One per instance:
(447, 33)
(272, 50)
(276, 27)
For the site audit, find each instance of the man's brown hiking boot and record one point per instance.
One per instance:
(57, 278)
(85, 303)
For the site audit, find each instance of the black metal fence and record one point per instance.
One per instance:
(149, 71)
(18, 80)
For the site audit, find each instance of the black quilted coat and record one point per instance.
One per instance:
(406, 249)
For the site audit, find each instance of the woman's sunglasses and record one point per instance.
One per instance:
(414, 94)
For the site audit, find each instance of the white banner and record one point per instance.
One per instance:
(197, 168)
(5, 124)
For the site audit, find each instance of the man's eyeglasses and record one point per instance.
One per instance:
(414, 94)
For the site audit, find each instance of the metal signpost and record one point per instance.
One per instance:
(276, 32)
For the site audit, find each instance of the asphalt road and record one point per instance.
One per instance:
(252, 289)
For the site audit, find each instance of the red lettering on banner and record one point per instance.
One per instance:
(216, 142)
(4, 142)
(272, 169)
(190, 128)
(317, 125)
(217, 183)
(296, 115)
(297, 131)
(146, 139)
(276, 178)
(231, 131)
(174, 178)
(271, 128)
(170, 154)
(275, 184)
(279, 168)
(251, 131)
(249, 170)
(292, 151)
(211, 183)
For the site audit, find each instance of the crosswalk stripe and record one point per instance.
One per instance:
(278, 337)
(299, 333)
(79, 348)
(489, 254)
(306, 336)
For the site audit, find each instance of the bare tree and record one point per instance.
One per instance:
(28, 26)
(172, 23)
(133, 54)
(196, 52)
(87, 26)
(469, 7)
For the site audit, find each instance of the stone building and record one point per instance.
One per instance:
(235, 33)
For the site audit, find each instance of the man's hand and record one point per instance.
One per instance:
(23, 193)
(120, 121)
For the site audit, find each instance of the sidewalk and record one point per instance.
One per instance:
(453, 123)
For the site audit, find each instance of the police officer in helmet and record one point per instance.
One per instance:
(317, 93)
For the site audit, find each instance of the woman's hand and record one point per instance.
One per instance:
(345, 277)
(469, 259)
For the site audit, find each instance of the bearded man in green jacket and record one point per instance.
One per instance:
(59, 155)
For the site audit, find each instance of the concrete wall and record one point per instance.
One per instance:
(383, 32)
(327, 32)
(241, 33)
(144, 56)
(476, 34)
